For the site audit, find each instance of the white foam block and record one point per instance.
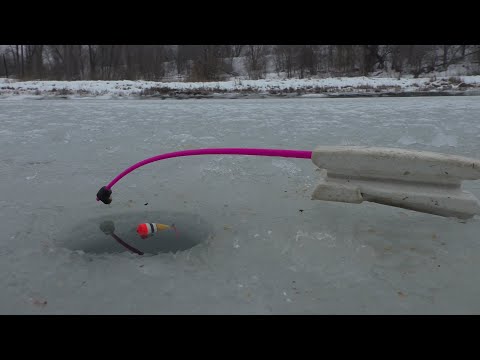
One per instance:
(417, 180)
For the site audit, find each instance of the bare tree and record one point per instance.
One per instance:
(22, 62)
(18, 70)
(399, 54)
(331, 61)
(54, 61)
(445, 56)
(207, 65)
(109, 59)
(5, 66)
(128, 54)
(33, 63)
(215, 62)
(66, 63)
(345, 59)
(237, 50)
(151, 60)
(256, 61)
(309, 58)
(92, 58)
(183, 55)
(370, 58)
(81, 61)
(454, 58)
(416, 59)
(285, 59)
(38, 62)
(229, 54)
(431, 58)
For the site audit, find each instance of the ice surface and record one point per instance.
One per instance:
(444, 140)
(263, 245)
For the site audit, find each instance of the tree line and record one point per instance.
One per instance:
(219, 62)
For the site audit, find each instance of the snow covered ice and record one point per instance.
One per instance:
(258, 243)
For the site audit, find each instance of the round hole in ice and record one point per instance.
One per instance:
(116, 233)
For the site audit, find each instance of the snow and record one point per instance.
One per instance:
(125, 88)
(255, 252)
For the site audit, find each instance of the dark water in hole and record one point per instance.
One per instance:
(116, 233)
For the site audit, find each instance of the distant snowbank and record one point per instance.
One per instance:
(349, 86)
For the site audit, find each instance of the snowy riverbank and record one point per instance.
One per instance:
(329, 87)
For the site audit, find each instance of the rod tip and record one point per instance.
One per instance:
(104, 195)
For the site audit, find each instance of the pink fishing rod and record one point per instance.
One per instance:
(104, 194)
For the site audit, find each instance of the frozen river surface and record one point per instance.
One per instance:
(250, 240)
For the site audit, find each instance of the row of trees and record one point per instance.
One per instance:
(216, 62)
